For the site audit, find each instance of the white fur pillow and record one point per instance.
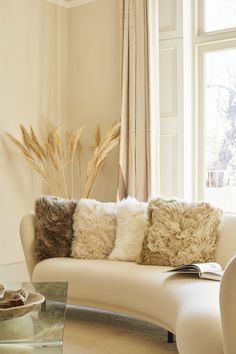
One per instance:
(94, 225)
(131, 226)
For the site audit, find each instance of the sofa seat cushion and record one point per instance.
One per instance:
(124, 285)
(169, 300)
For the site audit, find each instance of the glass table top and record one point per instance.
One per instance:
(41, 330)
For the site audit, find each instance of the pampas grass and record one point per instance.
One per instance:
(54, 161)
(102, 151)
(72, 147)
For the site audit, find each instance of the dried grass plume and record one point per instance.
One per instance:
(55, 161)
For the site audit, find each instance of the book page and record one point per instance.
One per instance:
(211, 267)
(211, 276)
(198, 268)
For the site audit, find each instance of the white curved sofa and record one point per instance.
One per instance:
(191, 308)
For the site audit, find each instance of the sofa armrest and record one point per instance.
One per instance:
(228, 307)
(27, 240)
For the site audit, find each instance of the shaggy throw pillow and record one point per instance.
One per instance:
(131, 226)
(180, 233)
(53, 227)
(94, 229)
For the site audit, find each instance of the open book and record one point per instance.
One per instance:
(210, 270)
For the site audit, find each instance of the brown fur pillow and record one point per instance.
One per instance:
(180, 233)
(53, 227)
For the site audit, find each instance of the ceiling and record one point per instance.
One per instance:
(70, 3)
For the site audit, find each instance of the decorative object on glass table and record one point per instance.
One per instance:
(17, 303)
(2, 290)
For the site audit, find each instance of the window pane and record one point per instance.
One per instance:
(220, 124)
(219, 14)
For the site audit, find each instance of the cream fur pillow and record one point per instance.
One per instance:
(94, 225)
(131, 226)
(180, 233)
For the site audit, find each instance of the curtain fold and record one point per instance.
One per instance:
(139, 151)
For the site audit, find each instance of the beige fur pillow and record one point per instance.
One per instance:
(131, 226)
(94, 225)
(180, 233)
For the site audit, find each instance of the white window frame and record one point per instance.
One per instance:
(203, 42)
(200, 23)
(201, 50)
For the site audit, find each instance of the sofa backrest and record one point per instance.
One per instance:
(226, 247)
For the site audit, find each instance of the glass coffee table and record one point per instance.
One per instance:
(41, 330)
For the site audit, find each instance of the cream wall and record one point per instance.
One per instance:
(94, 81)
(61, 66)
(33, 90)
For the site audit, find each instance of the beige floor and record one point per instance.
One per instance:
(89, 332)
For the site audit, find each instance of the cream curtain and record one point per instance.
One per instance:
(139, 151)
